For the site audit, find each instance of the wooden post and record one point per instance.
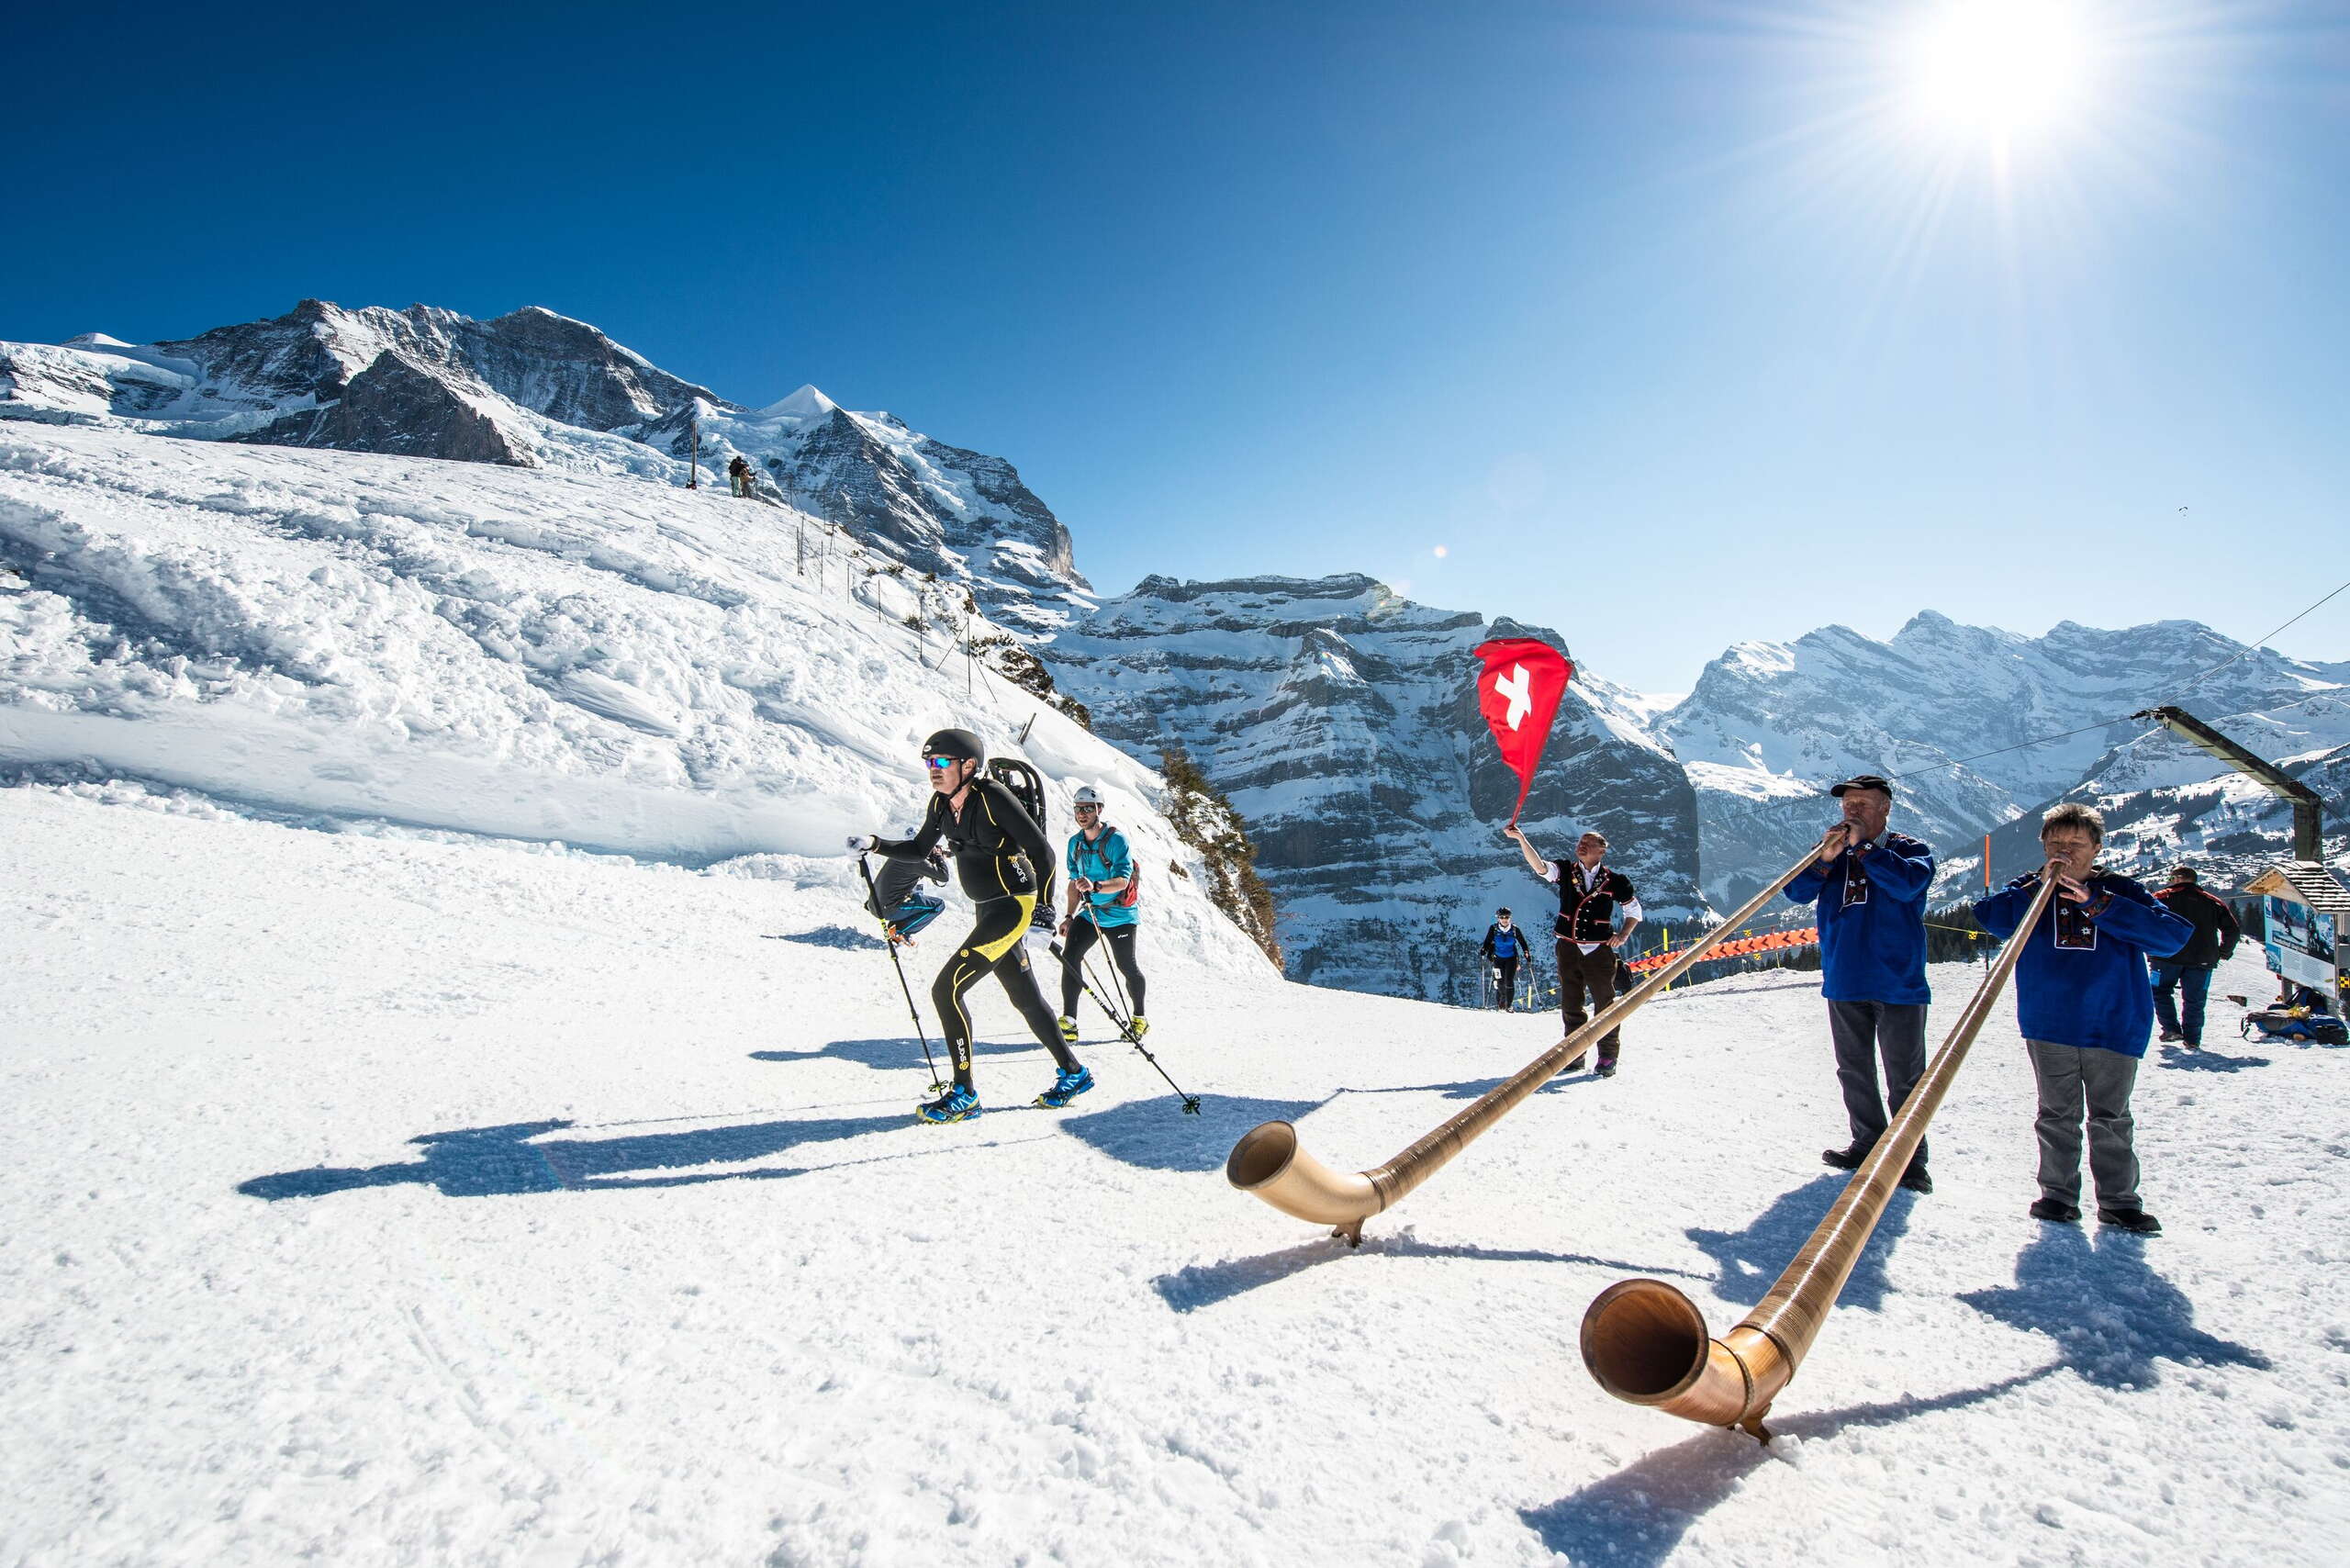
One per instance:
(693, 425)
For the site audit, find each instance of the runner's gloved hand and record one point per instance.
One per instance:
(860, 842)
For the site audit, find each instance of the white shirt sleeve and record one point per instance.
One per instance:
(1551, 872)
(1627, 914)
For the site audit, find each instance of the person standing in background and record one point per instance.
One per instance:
(1503, 945)
(1597, 911)
(2185, 976)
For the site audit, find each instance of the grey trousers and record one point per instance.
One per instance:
(1863, 1032)
(2072, 1077)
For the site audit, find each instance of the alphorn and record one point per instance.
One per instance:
(1646, 1343)
(1270, 1162)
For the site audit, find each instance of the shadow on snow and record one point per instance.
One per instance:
(1205, 1284)
(1751, 1260)
(2194, 1058)
(2111, 1317)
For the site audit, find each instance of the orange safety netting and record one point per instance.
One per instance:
(1770, 941)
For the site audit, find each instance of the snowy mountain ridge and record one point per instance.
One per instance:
(533, 388)
(1957, 714)
(362, 639)
(1341, 719)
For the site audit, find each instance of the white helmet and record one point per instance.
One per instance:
(1087, 795)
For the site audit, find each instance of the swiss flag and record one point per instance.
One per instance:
(1518, 694)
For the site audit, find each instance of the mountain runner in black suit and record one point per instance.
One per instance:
(997, 848)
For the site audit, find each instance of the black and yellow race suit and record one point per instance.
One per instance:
(997, 848)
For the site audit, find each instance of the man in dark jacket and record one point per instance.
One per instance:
(1870, 885)
(1597, 909)
(2188, 971)
(1504, 944)
(2084, 1008)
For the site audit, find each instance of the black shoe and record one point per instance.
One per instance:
(2169, 1035)
(1845, 1159)
(2054, 1212)
(2137, 1222)
(1917, 1180)
(1576, 1065)
(1607, 1069)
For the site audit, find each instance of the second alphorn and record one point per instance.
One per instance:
(1270, 1162)
(1646, 1343)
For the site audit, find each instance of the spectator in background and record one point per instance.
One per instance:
(2185, 975)
(1504, 944)
(2085, 1005)
(1597, 912)
(738, 474)
(1870, 885)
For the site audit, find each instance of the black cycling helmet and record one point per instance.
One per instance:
(960, 744)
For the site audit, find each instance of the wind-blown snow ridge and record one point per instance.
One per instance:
(533, 388)
(492, 650)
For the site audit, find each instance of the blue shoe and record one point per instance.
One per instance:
(1067, 1086)
(957, 1104)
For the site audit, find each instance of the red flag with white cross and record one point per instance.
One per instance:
(1518, 693)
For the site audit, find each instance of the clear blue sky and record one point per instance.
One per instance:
(1666, 321)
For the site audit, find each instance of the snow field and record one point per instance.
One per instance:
(383, 1200)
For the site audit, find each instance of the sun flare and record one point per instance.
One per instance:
(2000, 69)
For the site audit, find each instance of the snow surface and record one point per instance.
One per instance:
(384, 1199)
(462, 646)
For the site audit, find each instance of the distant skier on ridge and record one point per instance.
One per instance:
(997, 848)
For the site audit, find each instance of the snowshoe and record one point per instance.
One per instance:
(957, 1104)
(1068, 1031)
(1067, 1086)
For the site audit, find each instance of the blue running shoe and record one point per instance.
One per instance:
(957, 1104)
(1067, 1086)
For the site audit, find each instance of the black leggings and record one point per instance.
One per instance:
(1120, 940)
(994, 945)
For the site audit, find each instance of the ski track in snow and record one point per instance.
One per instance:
(384, 1200)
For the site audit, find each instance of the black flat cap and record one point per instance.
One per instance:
(1864, 781)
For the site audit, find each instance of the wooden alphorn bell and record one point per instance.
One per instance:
(1270, 1162)
(1646, 1343)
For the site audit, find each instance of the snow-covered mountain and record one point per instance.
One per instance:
(534, 389)
(1341, 720)
(1770, 725)
(2164, 800)
(398, 645)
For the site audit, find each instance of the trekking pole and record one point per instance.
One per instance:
(1122, 1020)
(936, 1083)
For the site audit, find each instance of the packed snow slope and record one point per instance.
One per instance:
(497, 651)
(535, 389)
(385, 1201)
(1341, 719)
(1945, 708)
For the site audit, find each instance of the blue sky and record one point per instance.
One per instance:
(1668, 322)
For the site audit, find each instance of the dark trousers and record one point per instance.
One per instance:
(1504, 981)
(1864, 1032)
(994, 947)
(1592, 974)
(2193, 983)
(2074, 1080)
(1120, 940)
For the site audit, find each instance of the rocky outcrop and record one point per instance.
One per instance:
(393, 406)
(1342, 720)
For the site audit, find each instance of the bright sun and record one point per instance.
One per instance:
(2000, 69)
